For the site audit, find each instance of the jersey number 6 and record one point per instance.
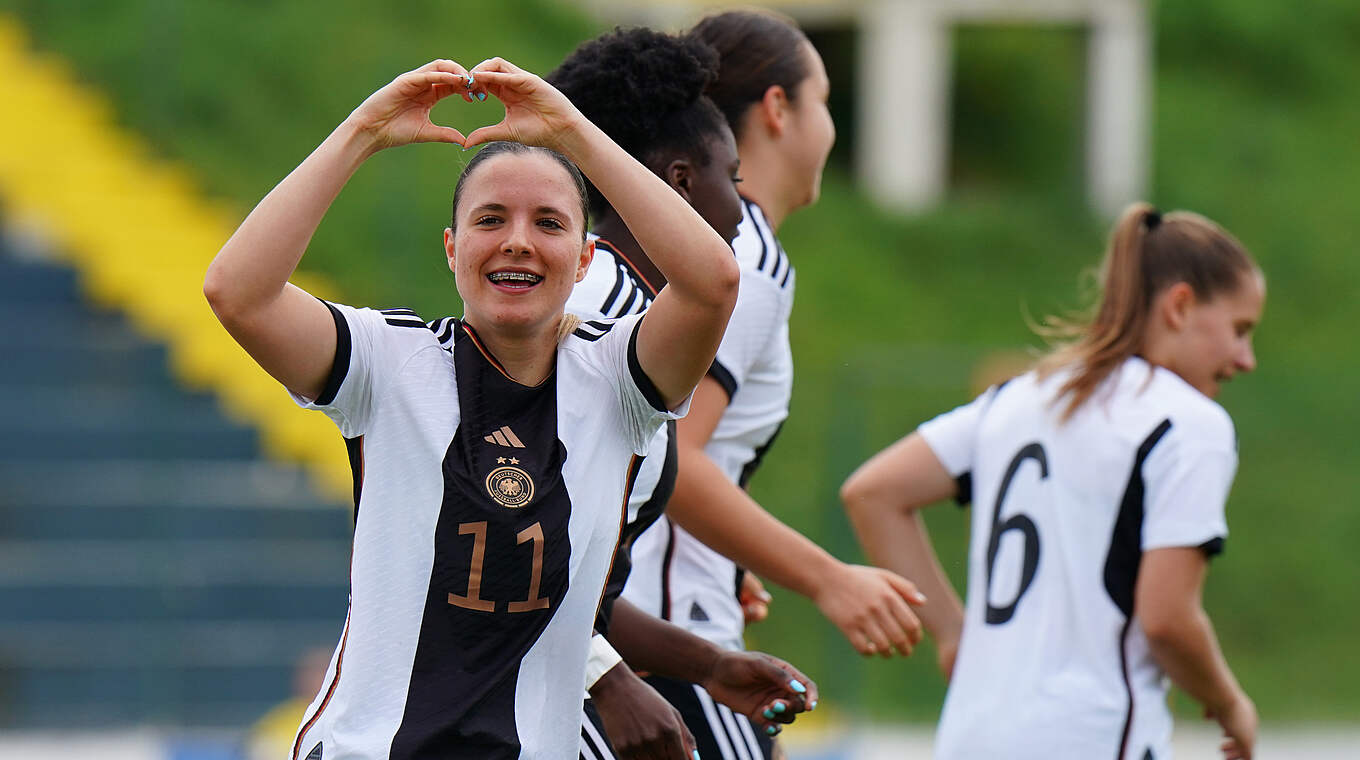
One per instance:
(1020, 522)
(473, 599)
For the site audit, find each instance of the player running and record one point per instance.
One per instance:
(645, 90)
(493, 452)
(1098, 482)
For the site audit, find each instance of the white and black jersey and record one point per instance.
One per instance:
(615, 287)
(487, 517)
(1052, 661)
(676, 577)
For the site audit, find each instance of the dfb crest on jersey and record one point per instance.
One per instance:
(510, 486)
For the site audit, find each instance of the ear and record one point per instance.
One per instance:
(772, 110)
(587, 255)
(680, 176)
(1175, 305)
(448, 249)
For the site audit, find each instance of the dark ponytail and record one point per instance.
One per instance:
(757, 49)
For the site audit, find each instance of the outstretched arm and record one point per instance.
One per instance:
(765, 689)
(882, 498)
(869, 605)
(288, 332)
(680, 335)
(1167, 602)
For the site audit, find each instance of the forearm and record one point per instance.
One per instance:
(899, 541)
(256, 262)
(653, 645)
(1189, 653)
(725, 518)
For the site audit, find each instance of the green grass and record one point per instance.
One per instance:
(1255, 125)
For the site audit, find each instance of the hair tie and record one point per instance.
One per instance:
(1152, 219)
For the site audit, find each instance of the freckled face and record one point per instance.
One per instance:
(1215, 341)
(518, 248)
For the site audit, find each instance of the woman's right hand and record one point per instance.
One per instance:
(1239, 722)
(399, 113)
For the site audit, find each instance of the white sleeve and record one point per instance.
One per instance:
(1186, 480)
(755, 321)
(365, 355)
(952, 436)
(602, 659)
(643, 411)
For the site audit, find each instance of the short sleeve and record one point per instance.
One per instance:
(1186, 487)
(952, 436)
(756, 320)
(365, 352)
(641, 405)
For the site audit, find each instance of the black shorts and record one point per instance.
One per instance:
(720, 733)
(594, 744)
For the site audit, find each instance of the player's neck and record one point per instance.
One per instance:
(616, 233)
(763, 181)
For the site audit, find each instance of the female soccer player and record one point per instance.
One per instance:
(772, 90)
(1098, 481)
(645, 90)
(494, 451)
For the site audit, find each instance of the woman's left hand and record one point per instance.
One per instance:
(535, 112)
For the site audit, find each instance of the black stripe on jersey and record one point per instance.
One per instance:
(784, 283)
(593, 330)
(627, 305)
(724, 377)
(399, 312)
(750, 468)
(647, 514)
(640, 378)
(406, 322)
(666, 558)
(964, 483)
(1126, 547)
(1213, 547)
(354, 447)
(443, 329)
(340, 366)
(764, 247)
(1121, 564)
(619, 277)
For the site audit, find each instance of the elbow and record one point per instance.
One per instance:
(726, 280)
(857, 496)
(217, 292)
(1168, 629)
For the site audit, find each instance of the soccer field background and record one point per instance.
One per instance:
(1255, 123)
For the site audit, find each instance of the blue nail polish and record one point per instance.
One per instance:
(696, 754)
(470, 80)
(812, 705)
(771, 730)
(779, 707)
(798, 687)
(769, 714)
(481, 96)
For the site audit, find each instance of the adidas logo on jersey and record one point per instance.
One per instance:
(697, 614)
(504, 437)
(315, 754)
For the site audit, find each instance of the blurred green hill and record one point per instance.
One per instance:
(1255, 125)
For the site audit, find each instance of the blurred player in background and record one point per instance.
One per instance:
(772, 90)
(1099, 481)
(480, 547)
(645, 89)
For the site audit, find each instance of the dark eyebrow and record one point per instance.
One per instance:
(550, 211)
(496, 207)
(501, 208)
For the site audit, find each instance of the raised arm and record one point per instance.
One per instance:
(681, 332)
(882, 499)
(288, 332)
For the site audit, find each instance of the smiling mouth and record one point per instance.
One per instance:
(514, 279)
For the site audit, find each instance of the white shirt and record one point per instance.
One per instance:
(676, 577)
(1052, 662)
(483, 535)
